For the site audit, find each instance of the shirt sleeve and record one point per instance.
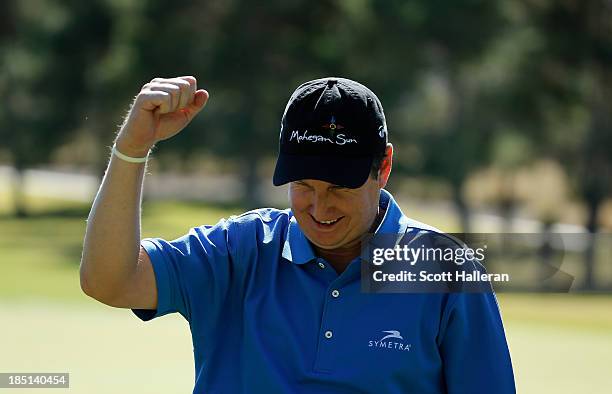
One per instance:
(473, 346)
(192, 268)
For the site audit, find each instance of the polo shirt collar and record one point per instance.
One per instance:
(297, 248)
(394, 221)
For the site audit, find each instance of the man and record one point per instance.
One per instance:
(273, 297)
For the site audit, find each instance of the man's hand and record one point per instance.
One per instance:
(162, 108)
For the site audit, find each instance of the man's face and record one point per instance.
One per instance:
(332, 216)
(335, 217)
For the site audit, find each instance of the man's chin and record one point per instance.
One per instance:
(324, 244)
(331, 244)
(328, 247)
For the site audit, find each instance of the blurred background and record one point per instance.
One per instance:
(500, 112)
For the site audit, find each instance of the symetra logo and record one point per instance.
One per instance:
(392, 334)
(393, 340)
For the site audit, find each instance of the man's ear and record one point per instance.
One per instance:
(385, 167)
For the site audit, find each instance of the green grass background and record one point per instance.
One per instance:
(559, 343)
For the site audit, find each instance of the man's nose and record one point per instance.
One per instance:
(319, 206)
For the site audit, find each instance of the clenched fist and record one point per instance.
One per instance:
(162, 108)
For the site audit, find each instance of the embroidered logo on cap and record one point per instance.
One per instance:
(382, 130)
(337, 139)
(332, 125)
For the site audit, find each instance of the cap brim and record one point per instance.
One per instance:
(351, 172)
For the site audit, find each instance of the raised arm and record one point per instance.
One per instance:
(115, 270)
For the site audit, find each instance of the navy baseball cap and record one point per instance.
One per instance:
(331, 130)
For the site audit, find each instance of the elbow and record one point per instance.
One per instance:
(86, 282)
(89, 287)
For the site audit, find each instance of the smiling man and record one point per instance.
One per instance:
(273, 297)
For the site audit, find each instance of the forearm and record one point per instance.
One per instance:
(112, 239)
(110, 268)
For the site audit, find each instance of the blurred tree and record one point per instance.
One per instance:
(567, 79)
(45, 54)
(436, 44)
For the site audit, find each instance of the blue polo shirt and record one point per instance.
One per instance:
(267, 315)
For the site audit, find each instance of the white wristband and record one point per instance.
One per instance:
(127, 158)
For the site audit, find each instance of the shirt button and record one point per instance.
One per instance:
(328, 334)
(321, 265)
(335, 293)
